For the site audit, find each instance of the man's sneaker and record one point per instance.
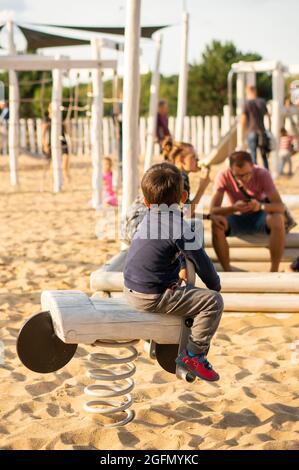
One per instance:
(197, 365)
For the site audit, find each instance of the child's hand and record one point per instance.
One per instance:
(183, 275)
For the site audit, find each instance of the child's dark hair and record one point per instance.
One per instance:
(162, 184)
(283, 131)
(239, 159)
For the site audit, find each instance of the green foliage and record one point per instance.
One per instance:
(207, 87)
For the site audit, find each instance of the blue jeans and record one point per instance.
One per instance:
(253, 146)
(247, 224)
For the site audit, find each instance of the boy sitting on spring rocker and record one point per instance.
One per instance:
(156, 257)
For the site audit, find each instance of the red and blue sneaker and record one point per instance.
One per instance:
(198, 365)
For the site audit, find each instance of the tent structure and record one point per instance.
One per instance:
(40, 39)
(145, 31)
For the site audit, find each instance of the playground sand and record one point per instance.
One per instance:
(48, 242)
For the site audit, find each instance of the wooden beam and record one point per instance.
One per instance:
(253, 241)
(261, 303)
(23, 63)
(230, 282)
(79, 319)
(256, 254)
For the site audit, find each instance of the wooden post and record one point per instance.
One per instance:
(171, 125)
(226, 121)
(153, 108)
(143, 129)
(86, 136)
(193, 132)
(96, 127)
(14, 102)
(200, 133)
(39, 136)
(277, 104)
(183, 80)
(215, 131)
(31, 134)
(74, 139)
(106, 143)
(186, 131)
(23, 134)
(240, 103)
(56, 128)
(80, 136)
(131, 92)
(207, 135)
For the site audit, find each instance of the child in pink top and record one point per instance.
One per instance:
(109, 196)
(286, 150)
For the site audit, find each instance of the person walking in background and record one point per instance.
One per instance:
(286, 150)
(118, 121)
(162, 122)
(252, 122)
(4, 117)
(46, 144)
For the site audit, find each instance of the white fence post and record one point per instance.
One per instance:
(96, 127)
(56, 128)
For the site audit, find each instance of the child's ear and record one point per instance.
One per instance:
(184, 197)
(146, 203)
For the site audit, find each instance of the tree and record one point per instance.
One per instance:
(207, 86)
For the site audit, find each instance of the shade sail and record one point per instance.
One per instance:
(146, 31)
(39, 39)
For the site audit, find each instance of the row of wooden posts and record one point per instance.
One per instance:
(204, 132)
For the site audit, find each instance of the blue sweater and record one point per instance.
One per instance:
(158, 253)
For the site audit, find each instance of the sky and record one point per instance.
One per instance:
(269, 27)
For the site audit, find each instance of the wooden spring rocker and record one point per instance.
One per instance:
(49, 339)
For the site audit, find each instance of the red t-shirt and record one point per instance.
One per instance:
(259, 186)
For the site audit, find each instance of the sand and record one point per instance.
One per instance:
(48, 242)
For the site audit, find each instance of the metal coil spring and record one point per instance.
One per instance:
(104, 391)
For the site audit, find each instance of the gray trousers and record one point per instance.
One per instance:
(203, 305)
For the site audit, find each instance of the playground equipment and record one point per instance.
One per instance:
(242, 291)
(246, 75)
(48, 341)
(35, 62)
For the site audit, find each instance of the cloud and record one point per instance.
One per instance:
(16, 5)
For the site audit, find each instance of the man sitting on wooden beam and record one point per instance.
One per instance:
(255, 207)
